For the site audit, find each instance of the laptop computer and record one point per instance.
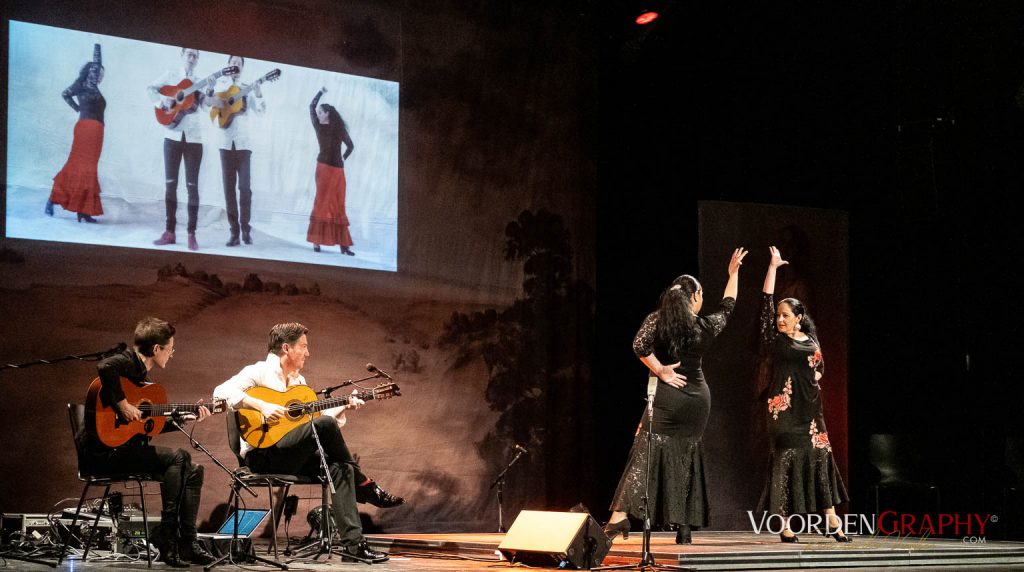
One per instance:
(248, 521)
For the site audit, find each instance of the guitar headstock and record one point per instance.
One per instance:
(273, 75)
(230, 70)
(217, 406)
(386, 391)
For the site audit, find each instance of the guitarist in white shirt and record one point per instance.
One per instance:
(296, 452)
(236, 153)
(182, 139)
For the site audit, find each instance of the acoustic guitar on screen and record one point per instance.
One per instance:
(107, 424)
(184, 99)
(233, 100)
(302, 405)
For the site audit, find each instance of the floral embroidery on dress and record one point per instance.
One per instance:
(814, 359)
(781, 401)
(819, 440)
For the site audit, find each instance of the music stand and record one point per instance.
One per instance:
(646, 556)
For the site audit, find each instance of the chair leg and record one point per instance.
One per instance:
(67, 534)
(273, 516)
(145, 524)
(96, 522)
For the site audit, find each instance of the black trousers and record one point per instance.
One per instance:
(235, 167)
(174, 151)
(181, 482)
(296, 454)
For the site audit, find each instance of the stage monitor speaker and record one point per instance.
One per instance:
(559, 539)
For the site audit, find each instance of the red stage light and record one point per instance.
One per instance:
(646, 18)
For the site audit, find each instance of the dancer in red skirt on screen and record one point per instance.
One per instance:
(77, 187)
(328, 223)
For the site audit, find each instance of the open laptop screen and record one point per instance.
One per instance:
(248, 521)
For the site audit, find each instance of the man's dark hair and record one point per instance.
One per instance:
(285, 334)
(151, 332)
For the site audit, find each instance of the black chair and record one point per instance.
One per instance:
(902, 464)
(91, 478)
(269, 480)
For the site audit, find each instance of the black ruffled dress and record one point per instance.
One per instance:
(802, 473)
(678, 491)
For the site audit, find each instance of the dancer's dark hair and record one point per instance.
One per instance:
(676, 329)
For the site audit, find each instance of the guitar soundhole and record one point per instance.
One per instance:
(295, 410)
(149, 425)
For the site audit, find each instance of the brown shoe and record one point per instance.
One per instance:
(165, 238)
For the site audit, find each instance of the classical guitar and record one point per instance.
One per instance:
(302, 405)
(184, 97)
(233, 100)
(104, 421)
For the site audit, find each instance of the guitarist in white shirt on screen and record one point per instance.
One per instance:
(183, 139)
(296, 452)
(236, 148)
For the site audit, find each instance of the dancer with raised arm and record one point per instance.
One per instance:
(328, 223)
(670, 343)
(77, 186)
(802, 474)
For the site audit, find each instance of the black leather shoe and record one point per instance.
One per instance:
(233, 241)
(789, 539)
(684, 535)
(372, 493)
(246, 237)
(362, 552)
(86, 218)
(195, 551)
(613, 530)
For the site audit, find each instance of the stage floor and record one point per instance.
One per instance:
(709, 551)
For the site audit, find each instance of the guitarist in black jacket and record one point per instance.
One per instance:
(181, 481)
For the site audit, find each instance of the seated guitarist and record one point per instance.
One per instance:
(181, 482)
(296, 452)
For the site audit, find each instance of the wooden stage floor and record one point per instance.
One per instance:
(710, 551)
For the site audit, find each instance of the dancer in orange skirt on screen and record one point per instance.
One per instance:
(77, 187)
(328, 223)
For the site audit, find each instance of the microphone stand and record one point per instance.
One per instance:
(326, 392)
(500, 483)
(646, 556)
(175, 420)
(322, 545)
(94, 356)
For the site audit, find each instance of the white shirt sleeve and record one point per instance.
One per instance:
(233, 390)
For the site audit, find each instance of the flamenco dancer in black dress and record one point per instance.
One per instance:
(802, 472)
(675, 335)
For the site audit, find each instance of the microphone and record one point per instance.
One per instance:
(520, 449)
(652, 385)
(120, 347)
(380, 373)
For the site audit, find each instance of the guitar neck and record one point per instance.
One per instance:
(168, 408)
(331, 402)
(199, 85)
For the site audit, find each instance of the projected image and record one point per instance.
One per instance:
(135, 144)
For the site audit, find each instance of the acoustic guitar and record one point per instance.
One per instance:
(303, 407)
(107, 424)
(185, 99)
(234, 102)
